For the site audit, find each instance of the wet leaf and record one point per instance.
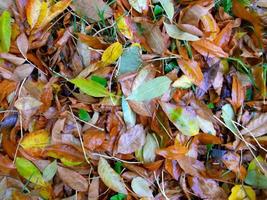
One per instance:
(50, 171)
(29, 171)
(110, 178)
(5, 31)
(90, 87)
(73, 179)
(141, 187)
(151, 89)
(112, 53)
(182, 118)
(174, 32)
(132, 140)
(240, 192)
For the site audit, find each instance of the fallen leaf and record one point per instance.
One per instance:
(149, 149)
(112, 53)
(128, 115)
(110, 178)
(29, 171)
(93, 139)
(174, 152)
(5, 31)
(140, 6)
(238, 93)
(184, 120)
(151, 89)
(174, 32)
(85, 8)
(228, 116)
(34, 142)
(23, 44)
(183, 82)
(23, 71)
(73, 179)
(168, 7)
(131, 140)
(12, 58)
(141, 187)
(93, 192)
(206, 188)
(207, 48)
(33, 9)
(90, 87)
(192, 70)
(240, 192)
(27, 103)
(130, 60)
(50, 171)
(257, 126)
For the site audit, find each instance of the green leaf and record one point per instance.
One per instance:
(91, 87)
(5, 31)
(174, 32)
(168, 7)
(118, 196)
(228, 116)
(84, 115)
(128, 115)
(100, 80)
(170, 66)
(151, 89)
(50, 171)
(211, 105)
(182, 118)
(158, 10)
(29, 171)
(130, 60)
(118, 166)
(244, 2)
(256, 179)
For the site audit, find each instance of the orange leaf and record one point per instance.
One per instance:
(210, 25)
(238, 93)
(94, 42)
(33, 9)
(204, 138)
(6, 87)
(192, 70)
(240, 11)
(172, 167)
(46, 98)
(231, 161)
(223, 37)
(93, 139)
(207, 48)
(174, 152)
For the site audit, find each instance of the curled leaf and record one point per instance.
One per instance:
(110, 178)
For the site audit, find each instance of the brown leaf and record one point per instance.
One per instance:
(207, 48)
(93, 192)
(12, 58)
(132, 140)
(206, 188)
(23, 44)
(73, 179)
(94, 42)
(192, 70)
(93, 138)
(85, 8)
(257, 126)
(232, 162)
(238, 93)
(174, 152)
(23, 71)
(192, 166)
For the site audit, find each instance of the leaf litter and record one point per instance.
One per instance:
(133, 99)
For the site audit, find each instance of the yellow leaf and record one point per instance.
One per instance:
(35, 141)
(43, 14)
(242, 192)
(112, 53)
(33, 9)
(123, 25)
(53, 12)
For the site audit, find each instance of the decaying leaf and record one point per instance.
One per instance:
(257, 126)
(110, 177)
(132, 140)
(73, 179)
